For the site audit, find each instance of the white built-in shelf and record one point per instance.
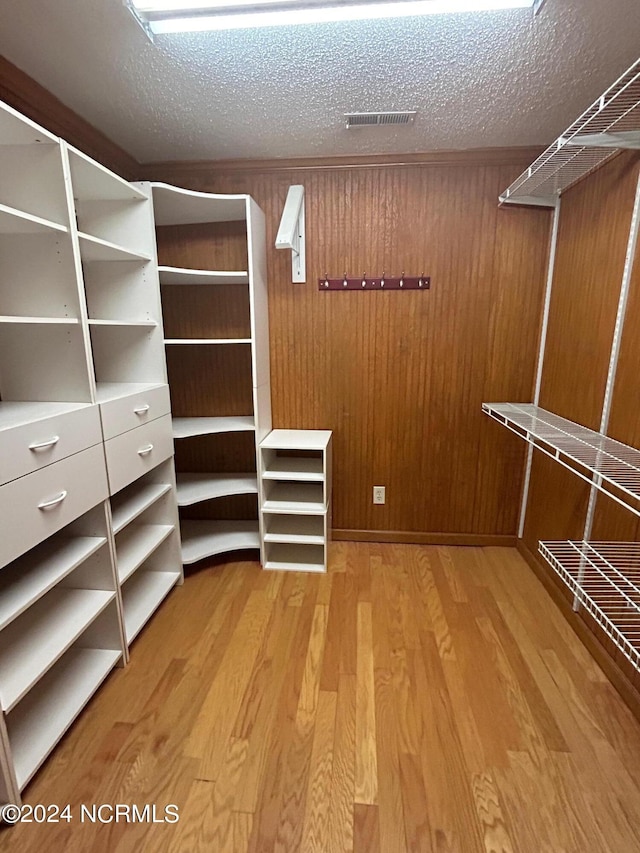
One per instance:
(297, 439)
(48, 710)
(292, 558)
(295, 468)
(16, 129)
(604, 577)
(106, 391)
(295, 529)
(141, 597)
(179, 275)
(93, 182)
(195, 488)
(608, 126)
(96, 249)
(31, 576)
(295, 498)
(611, 466)
(202, 539)
(127, 505)
(205, 341)
(38, 321)
(189, 427)
(143, 324)
(14, 414)
(177, 206)
(31, 645)
(14, 221)
(137, 542)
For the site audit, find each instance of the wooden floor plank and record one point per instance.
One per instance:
(414, 698)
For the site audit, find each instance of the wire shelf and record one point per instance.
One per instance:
(613, 467)
(564, 162)
(604, 577)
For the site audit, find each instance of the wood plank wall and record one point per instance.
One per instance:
(400, 377)
(595, 222)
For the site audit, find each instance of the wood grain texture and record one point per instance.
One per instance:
(399, 377)
(222, 712)
(195, 311)
(210, 381)
(31, 99)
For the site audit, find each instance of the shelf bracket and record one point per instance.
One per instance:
(291, 233)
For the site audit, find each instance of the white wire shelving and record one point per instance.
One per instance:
(604, 577)
(610, 124)
(607, 464)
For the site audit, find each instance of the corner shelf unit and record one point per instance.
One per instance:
(610, 125)
(604, 577)
(295, 485)
(212, 256)
(83, 388)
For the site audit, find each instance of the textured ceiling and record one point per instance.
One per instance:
(477, 80)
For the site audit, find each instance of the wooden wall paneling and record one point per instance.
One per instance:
(195, 311)
(232, 452)
(210, 381)
(205, 246)
(592, 241)
(399, 377)
(235, 507)
(31, 99)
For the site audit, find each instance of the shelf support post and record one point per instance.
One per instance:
(291, 233)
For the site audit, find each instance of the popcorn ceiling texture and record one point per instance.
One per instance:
(477, 80)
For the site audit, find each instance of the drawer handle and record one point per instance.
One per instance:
(42, 445)
(145, 450)
(142, 410)
(54, 502)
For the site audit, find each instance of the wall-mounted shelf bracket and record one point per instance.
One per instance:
(291, 233)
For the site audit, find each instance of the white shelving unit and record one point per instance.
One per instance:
(605, 579)
(611, 466)
(203, 488)
(295, 471)
(82, 366)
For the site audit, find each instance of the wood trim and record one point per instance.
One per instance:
(182, 169)
(416, 538)
(30, 98)
(615, 675)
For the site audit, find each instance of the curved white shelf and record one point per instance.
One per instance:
(31, 576)
(181, 275)
(195, 488)
(31, 645)
(48, 710)
(137, 542)
(604, 577)
(141, 597)
(13, 221)
(202, 539)
(96, 249)
(177, 206)
(189, 427)
(603, 462)
(127, 506)
(205, 341)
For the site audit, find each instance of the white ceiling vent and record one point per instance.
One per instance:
(377, 119)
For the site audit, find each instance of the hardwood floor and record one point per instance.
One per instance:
(416, 698)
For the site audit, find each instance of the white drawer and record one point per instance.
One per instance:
(31, 446)
(133, 453)
(34, 507)
(125, 413)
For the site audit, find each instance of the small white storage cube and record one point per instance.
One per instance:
(295, 476)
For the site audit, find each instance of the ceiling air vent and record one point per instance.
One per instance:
(377, 119)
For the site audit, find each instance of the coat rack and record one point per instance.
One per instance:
(422, 282)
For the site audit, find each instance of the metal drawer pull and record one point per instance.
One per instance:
(44, 444)
(54, 502)
(142, 410)
(144, 450)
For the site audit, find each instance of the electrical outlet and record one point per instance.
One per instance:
(378, 494)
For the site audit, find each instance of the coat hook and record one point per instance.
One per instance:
(402, 279)
(382, 279)
(344, 281)
(326, 280)
(364, 279)
(420, 283)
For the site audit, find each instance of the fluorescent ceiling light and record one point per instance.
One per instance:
(175, 16)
